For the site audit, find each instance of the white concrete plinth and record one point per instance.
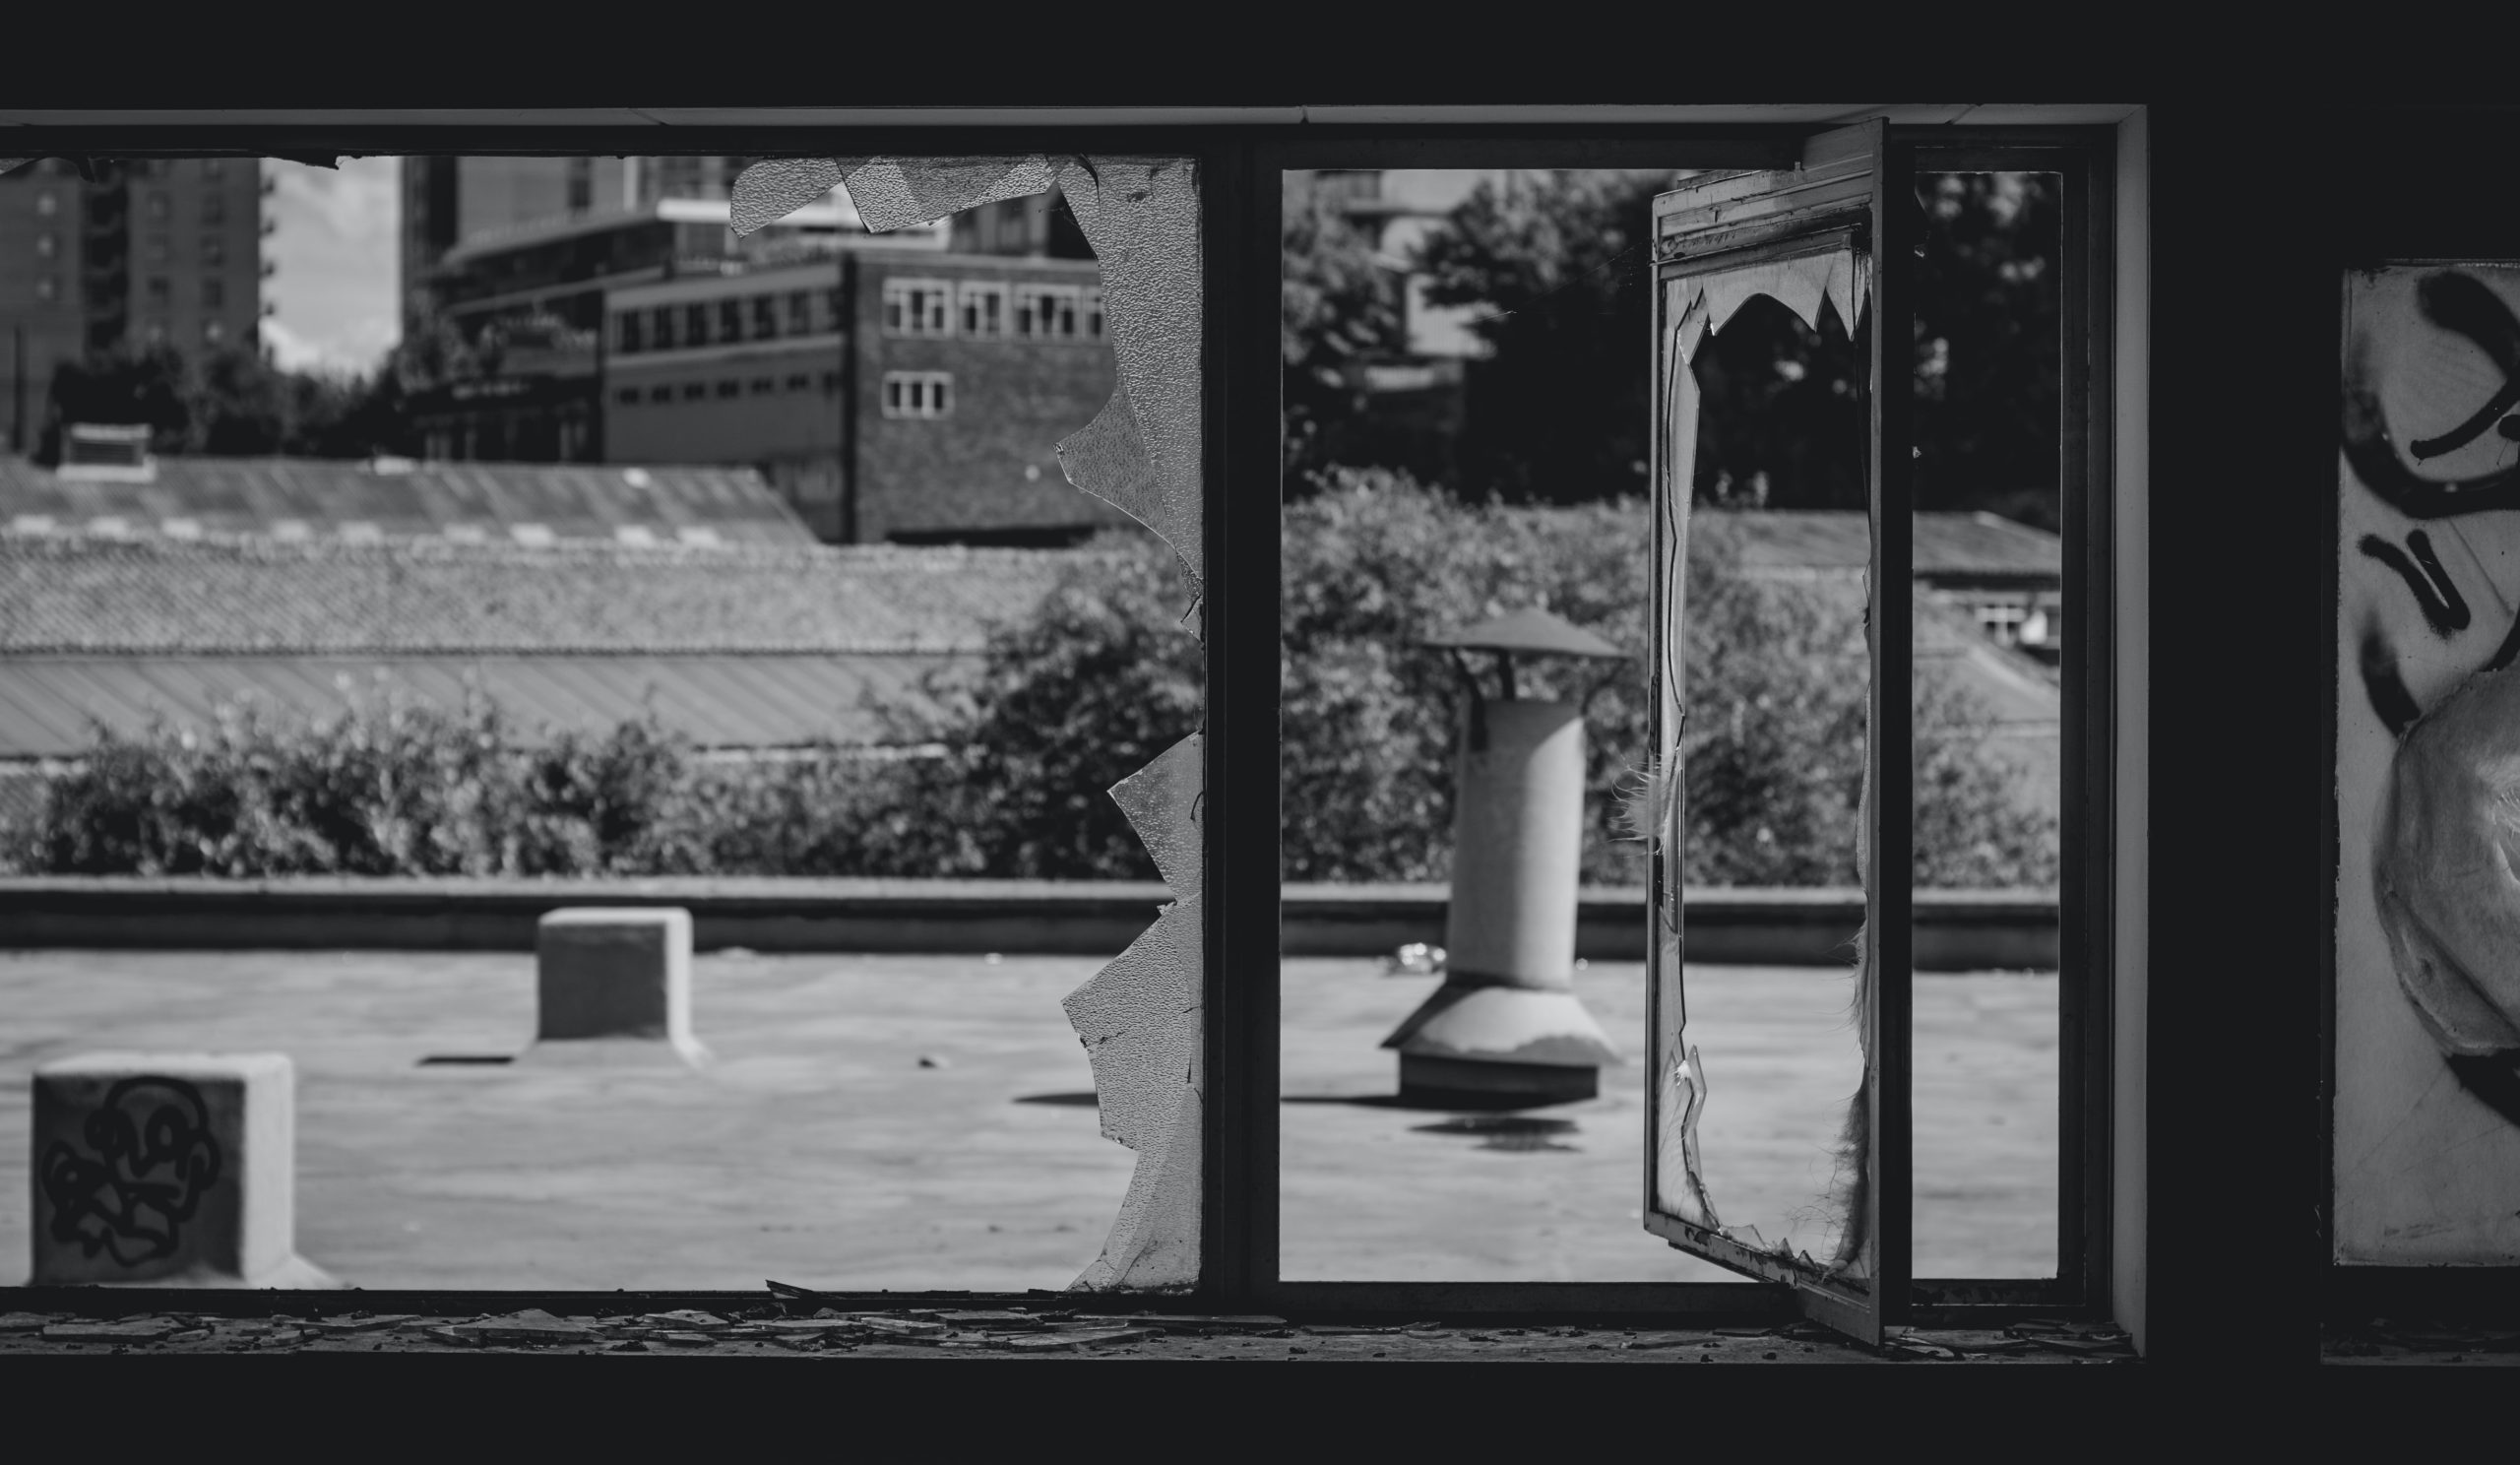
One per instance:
(614, 982)
(166, 1170)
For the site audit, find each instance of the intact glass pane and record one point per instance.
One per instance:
(1986, 602)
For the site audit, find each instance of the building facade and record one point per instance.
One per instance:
(890, 394)
(448, 200)
(147, 252)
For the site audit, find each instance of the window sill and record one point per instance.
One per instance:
(1061, 1332)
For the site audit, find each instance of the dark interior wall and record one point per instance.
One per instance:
(2245, 401)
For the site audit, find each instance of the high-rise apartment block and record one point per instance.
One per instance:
(144, 252)
(448, 200)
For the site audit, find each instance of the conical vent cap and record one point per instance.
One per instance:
(1529, 631)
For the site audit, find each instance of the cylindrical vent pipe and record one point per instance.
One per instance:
(1506, 1030)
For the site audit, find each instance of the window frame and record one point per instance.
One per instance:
(910, 291)
(968, 292)
(1241, 204)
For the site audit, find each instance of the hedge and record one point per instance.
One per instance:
(1104, 676)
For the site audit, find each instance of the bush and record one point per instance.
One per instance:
(1058, 708)
(1772, 758)
(1087, 692)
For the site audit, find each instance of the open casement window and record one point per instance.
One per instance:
(1805, 238)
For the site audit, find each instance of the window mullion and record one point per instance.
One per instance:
(1889, 871)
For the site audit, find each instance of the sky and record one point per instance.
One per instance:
(335, 245)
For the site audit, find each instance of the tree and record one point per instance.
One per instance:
(1558, 413)
(124, 384)
(235, 404)
(1988, 352)
(1340, 306)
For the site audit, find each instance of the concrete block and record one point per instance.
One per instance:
(615, 973)
(166, 1170)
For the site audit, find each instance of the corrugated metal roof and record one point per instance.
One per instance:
(1944, 545)
(326, 498)
(50, 706)
(87, 594)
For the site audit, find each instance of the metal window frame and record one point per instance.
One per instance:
(1239, 152)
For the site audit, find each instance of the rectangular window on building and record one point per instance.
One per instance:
(695, 325)
(1094, 312)
(800, 312)
(662, 319)
(831, 383)
(765, 317)
(730, 388)
(694, 391)
(917, 307)
(627, 397)
(160, 292)
(835, 304)
(730, 321)
(627, 335)
(984, 309)
(214, 207)
(1045, 312)
(917, 394)
(214, 293)
(802, 381)
(214, 249)
(763, 385)
(660, 394)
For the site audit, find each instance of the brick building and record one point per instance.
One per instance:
(908, 386)
(144, 252)
(889, 394)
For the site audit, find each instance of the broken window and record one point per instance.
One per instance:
(1053, 1103)
(1784, 1183)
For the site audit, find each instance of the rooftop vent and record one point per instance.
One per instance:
(110, 452)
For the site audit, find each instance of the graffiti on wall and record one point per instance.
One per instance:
(2427, 1117)
(152, 1158)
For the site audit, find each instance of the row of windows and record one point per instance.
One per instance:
(157, 292)
(156, 206)
(907, 393)
(696, 391)
(142, 168)
(156, 249)
(918, 394)
(213, 332)
(978, 309)
(726, 322)
(993, 310)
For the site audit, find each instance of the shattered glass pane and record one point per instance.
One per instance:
(1759, 782)
(800, 519)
